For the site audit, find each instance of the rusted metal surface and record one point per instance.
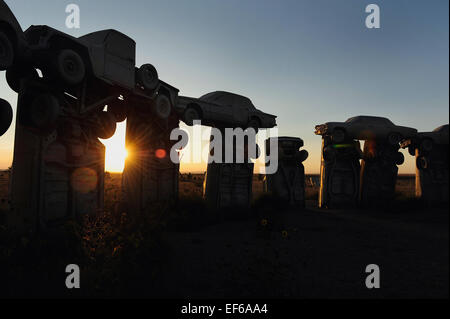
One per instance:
(58, 168)
(149, 176)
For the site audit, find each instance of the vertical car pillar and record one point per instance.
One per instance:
(339, 174)
(431, 152)
(149, 177)
(432, 175)
(228, 184)
(288, 182)
(379, 172)
(58, 165)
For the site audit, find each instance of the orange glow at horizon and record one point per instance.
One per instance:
(116, 153)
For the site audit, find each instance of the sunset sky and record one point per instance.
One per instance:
(306, 61)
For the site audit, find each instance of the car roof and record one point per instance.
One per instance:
(100, 36)
(441, 129)
(370, 118)
(225, 96)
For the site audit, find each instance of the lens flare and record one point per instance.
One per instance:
(160, 153)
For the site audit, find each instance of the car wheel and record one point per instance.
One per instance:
(118, 110)
(43, 112)
(338, 135)
(6, 52)
(16, 73)
(421, 162)
(163, 106)
(399, 158)
(147, 77)
(426, 145)
(190, 115)
(6, 115)
(70, 67)
(301, 156)
(412, 150)
(394, 139)
(106, 125)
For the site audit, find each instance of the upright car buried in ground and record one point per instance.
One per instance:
(365, 128)
(223, 109)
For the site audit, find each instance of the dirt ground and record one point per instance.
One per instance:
(285, 253)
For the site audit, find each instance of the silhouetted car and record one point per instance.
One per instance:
(365, 128)
(107, 55)
(12, 40)
(224, 108)
(97, 69)
(6, 115)
(425, 141)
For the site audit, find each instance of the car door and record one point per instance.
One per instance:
(222, 110)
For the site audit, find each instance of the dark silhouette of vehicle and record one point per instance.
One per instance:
(13, 46)
(96, 70)
(6, 115)
(223, 108)
(106, 55)
(365, 128)
(425, 141)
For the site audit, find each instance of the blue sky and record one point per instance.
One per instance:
(307, 61)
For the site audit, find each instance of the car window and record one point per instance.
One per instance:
(243, 102)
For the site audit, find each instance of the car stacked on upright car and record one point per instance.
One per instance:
(223, 109)
(365, 128)
(92, 71)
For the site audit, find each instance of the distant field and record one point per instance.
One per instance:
(190, 185)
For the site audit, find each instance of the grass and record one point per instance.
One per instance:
(124, 254)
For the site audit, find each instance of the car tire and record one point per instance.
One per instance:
(394, 139)
(163, 107)
(190, 115)
(147, 77)
(338, 135)
(399, 158)
(106, 125)
(16, 73)
(426, 145)
(43, 112)
(6, 116)
(301, 156)
(119, 111)
(6, 52)
(421, 162)
(70, 67)
(412, 150)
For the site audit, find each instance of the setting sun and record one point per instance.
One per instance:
(116, 153)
